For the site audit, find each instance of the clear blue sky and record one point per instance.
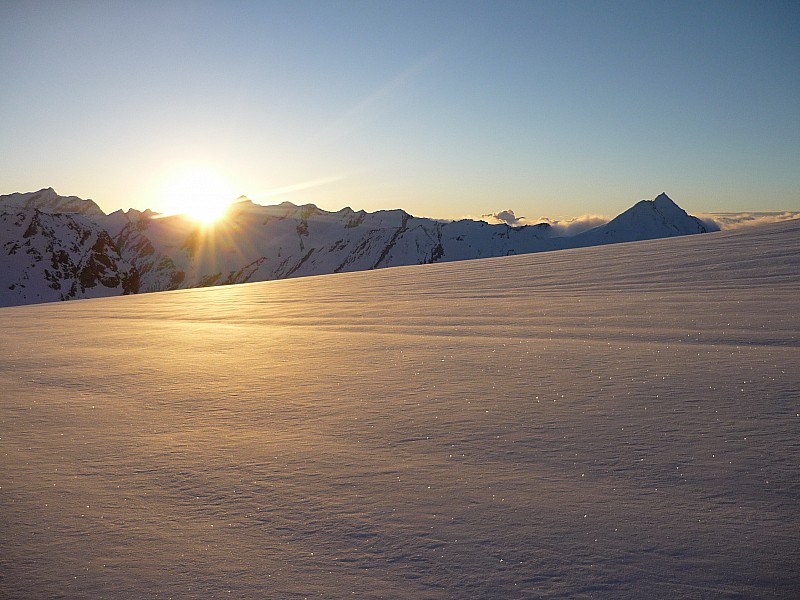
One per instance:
(444, 109)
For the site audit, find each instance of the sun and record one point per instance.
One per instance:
(201, 194)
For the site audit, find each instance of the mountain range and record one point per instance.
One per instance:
(64, 247)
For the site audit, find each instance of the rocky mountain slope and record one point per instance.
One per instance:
(53, 247)
(47, 257)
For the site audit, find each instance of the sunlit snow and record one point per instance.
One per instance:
(609, 422)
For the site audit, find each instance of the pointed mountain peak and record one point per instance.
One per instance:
(645, 220)
(242, 205)
(664, 200)
(242, 201)
(660, 204)
(666, 206)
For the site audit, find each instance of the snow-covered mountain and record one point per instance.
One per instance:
(646, 220)
(47, 257)
(47, 200)
(258, 243)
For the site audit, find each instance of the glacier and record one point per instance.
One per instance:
(618, 421)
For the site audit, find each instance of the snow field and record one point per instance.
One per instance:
(610, 422)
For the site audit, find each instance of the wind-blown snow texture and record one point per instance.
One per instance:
(259, 243)
(611, 422)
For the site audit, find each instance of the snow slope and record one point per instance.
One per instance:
(610, 422)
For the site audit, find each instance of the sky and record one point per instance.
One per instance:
(445, 109)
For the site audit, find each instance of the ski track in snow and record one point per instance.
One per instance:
(611, 422)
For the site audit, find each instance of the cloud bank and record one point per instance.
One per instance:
(572, 227)
(746, 219)
(566, 228)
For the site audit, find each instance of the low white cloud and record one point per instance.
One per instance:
(506, 217)
(572, 227)
(575, 226)
(746, 219)
(566, 228)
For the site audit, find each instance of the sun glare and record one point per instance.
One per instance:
(200, 194)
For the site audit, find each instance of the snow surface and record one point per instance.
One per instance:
(610, 422)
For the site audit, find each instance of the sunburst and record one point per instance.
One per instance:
(200, 194)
